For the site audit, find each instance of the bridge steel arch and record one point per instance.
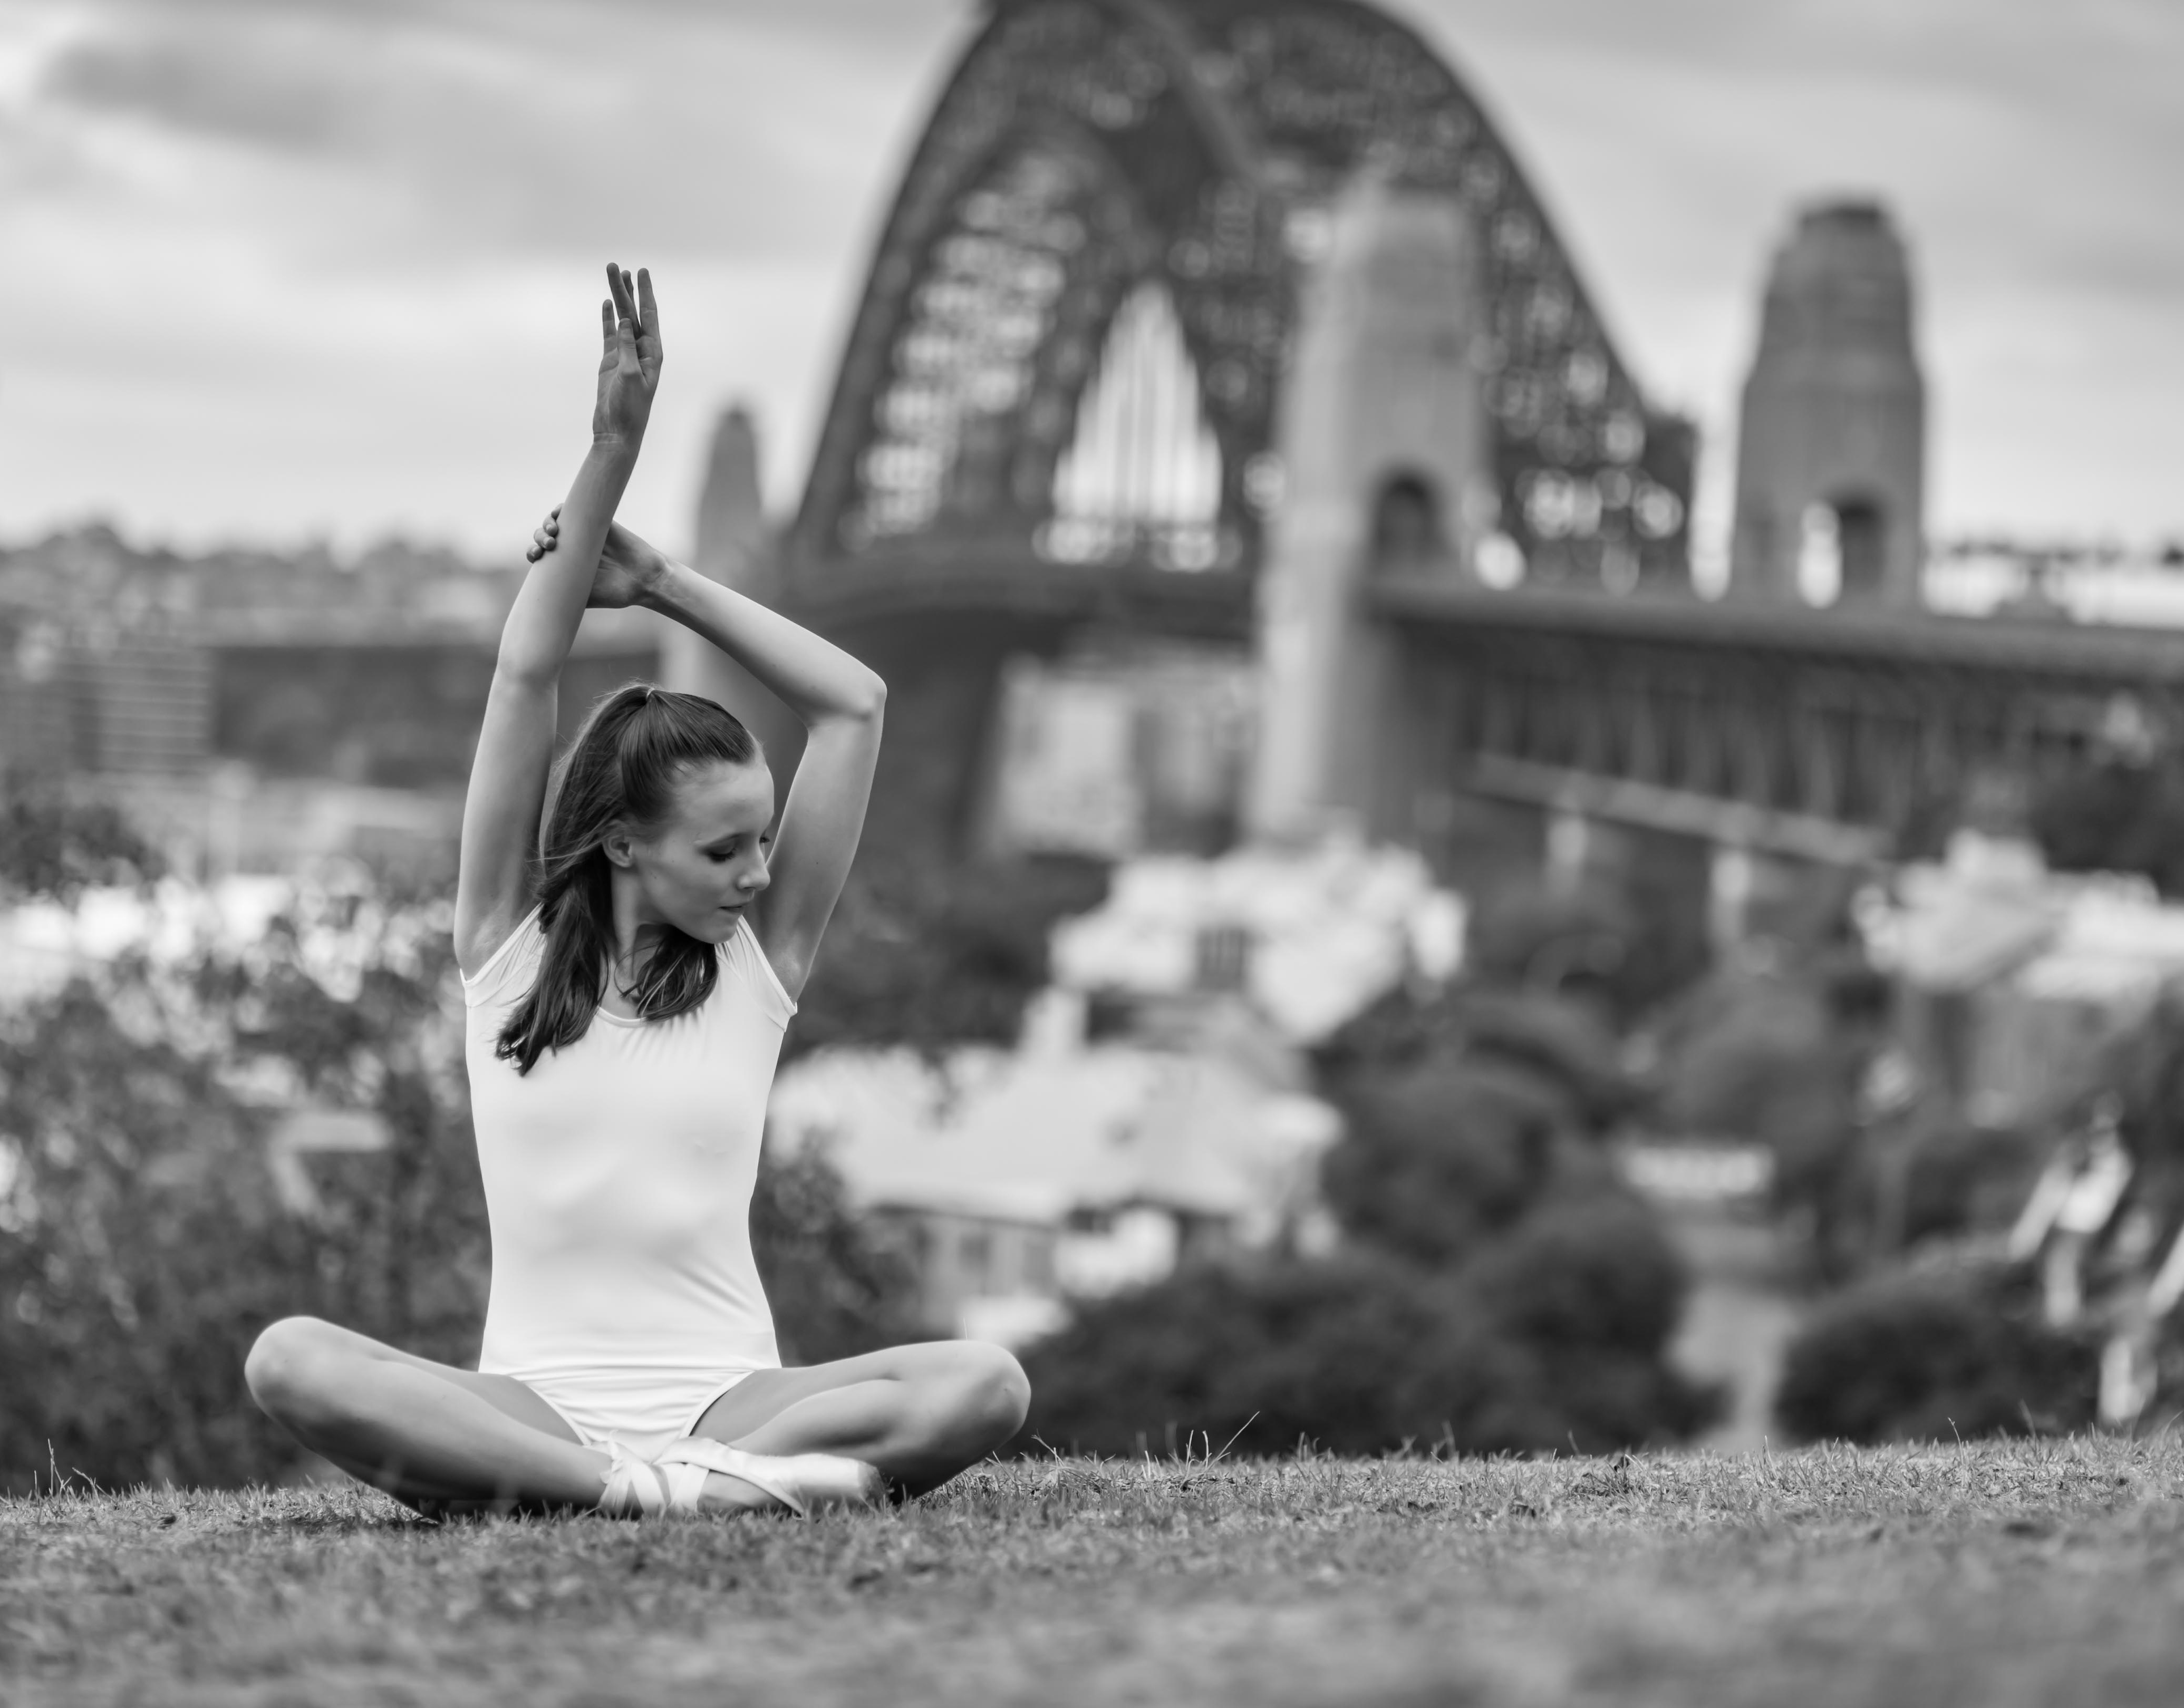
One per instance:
(1083, 148)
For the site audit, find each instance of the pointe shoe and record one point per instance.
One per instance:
(804, 1482)
(640, 1488)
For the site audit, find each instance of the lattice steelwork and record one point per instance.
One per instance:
(1142, 477)
(1087, 148)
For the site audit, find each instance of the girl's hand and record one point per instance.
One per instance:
(629, 366)
(630, 570)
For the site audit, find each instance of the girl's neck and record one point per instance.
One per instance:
(633, 932)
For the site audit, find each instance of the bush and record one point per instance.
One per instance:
(1739, 1042)
(1362, 1352)
(1436, 1161)
(1588, 1273)
(1561, 1049)
(1463, 1114)
(139, 1252)
(1934, 1356)
(836, 1285)
(934, 955)
(1340, 1352)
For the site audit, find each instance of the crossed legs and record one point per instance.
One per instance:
(430, 1432)
(920, 1414)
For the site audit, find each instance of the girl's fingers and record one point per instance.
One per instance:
(648, 311)
(618, 284)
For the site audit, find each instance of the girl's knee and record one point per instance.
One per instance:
(995, 1391)
(285, 1367)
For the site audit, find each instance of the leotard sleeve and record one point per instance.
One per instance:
(746, 960)
(512, 970)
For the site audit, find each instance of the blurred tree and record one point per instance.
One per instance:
(1738, 1041)
(2125, 815)
(52, 845)
(1435, 1161)
(930, 955)
(838, 1285)
(1561, 1048)
(1626, 944)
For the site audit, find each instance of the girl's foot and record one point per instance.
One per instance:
(804, 1482)
(696, 1475)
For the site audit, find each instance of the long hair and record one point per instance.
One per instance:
(635, 747)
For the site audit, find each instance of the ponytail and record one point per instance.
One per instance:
(623, 766)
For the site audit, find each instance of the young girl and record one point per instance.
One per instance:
(626, 995)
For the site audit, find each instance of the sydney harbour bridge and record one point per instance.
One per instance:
(1234, 323)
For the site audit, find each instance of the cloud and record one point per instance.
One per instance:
(299, 264)
(489, 128)
(2028, 151)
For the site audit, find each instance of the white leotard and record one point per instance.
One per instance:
(618, 1177)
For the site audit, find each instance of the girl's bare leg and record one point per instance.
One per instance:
(420, 1430)
(920, 1414)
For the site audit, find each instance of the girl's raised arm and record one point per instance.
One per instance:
(839, 701)
(515, 746)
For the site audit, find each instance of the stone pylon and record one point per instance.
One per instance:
(1831, 450)
(735, 548)
(1385, 463)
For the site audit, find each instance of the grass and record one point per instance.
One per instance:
(1991, 1574)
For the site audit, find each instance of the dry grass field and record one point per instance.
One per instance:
(2044, 1571)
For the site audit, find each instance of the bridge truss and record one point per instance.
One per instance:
(1068, 358)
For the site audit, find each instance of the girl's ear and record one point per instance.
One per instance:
(617, 846)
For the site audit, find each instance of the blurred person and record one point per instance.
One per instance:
(628, 969)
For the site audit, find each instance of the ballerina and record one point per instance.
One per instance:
(628, 971)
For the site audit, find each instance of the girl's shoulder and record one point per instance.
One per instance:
(509, 970)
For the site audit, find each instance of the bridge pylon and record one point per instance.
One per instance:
(1830, 471)
(1386, 455)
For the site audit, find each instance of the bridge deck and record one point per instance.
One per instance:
(2126, 656)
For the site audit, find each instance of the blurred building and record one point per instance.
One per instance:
(1156, 1112)
(2017, 981)
(253, 710)
(1066, 1168)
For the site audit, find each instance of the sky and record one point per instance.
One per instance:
(279, 271)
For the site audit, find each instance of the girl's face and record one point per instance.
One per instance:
(703, 867)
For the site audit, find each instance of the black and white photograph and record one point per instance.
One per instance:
(1277, 854)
